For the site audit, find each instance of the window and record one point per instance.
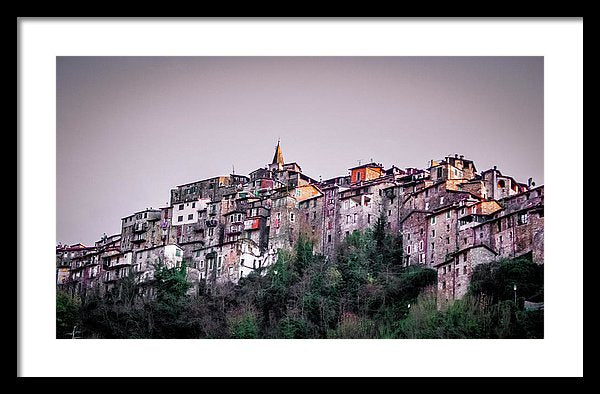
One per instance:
(465, 270)
(447, 241)
(433, 220)
(190, 216)
(355, 217)
(523, 218)
(448, 215)
(314, 215)
(389, 212)
(408, 249)
(426, 205)
(441, 200)
(408, 237)
(421, 246)
(369, 218)
(329, 238)
(432, 246)
(465, 256)
(193, 205)
(432, 233)
(180, 218)
(210, 232)
(357, 176)
(180, 207)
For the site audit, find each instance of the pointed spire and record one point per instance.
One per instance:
(278, 157)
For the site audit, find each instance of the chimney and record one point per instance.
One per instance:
(529, 182)
(495, 167)
(461, 156)
(494, 184)
(456, 155)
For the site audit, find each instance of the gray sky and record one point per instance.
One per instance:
(131, 128)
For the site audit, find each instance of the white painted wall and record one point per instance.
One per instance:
(185, 209)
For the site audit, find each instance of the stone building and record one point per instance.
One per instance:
(331, 223)
(454, 273)
(224, 228)
(141, 230)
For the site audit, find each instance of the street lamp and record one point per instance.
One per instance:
(515, 289)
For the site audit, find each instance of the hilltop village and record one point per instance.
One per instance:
(450, 217)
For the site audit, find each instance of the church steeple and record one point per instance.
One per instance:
(278, 157)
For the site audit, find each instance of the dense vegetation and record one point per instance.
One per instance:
(364, 293)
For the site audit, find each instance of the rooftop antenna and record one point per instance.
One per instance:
(232, 169)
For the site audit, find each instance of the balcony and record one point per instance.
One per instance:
(140, 227)
(235, 229)
(138, 238)
(212, 223)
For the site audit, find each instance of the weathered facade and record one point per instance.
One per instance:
(224, 228)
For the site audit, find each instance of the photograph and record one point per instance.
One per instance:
(300, 197)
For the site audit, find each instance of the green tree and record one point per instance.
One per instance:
(497, 280)
(171, 287)
(67, 314)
